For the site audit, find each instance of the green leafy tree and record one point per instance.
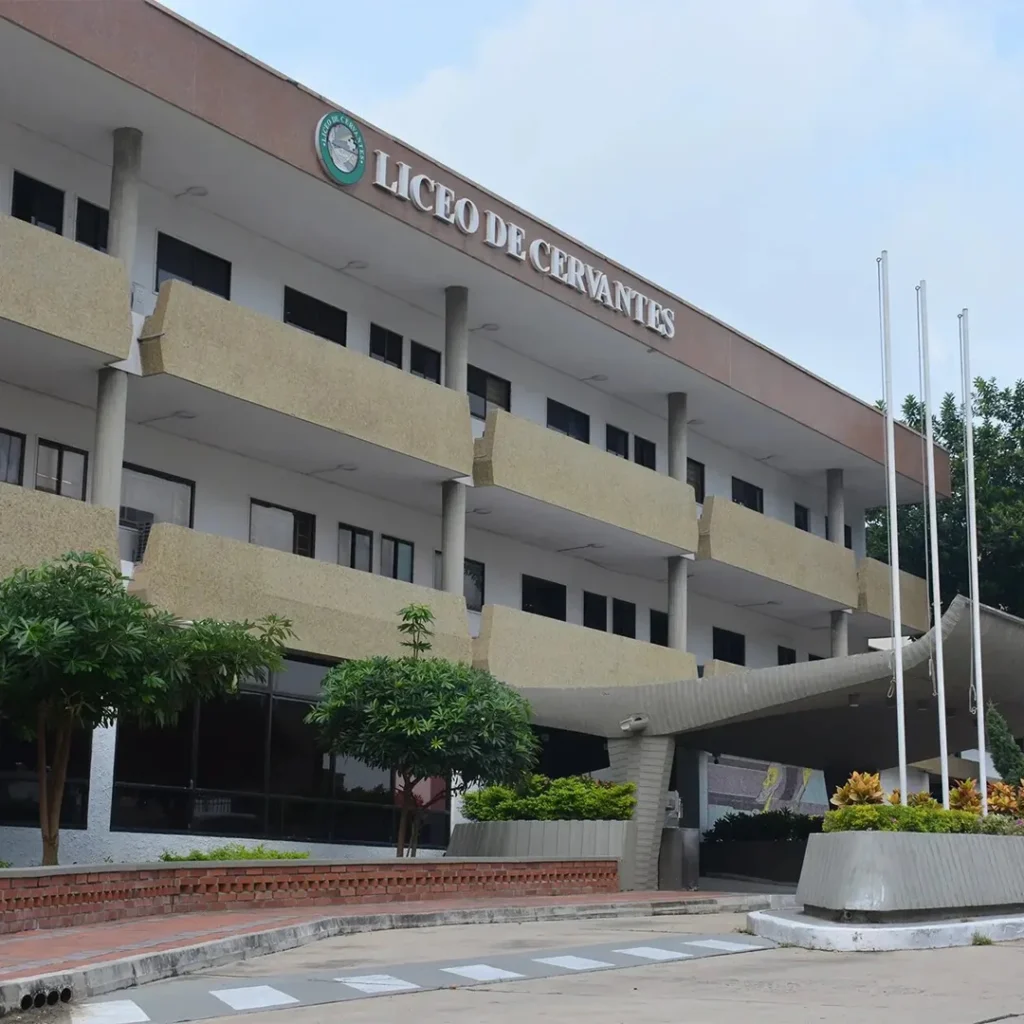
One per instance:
(425, 718)
(78, 651)
(1007, 756)
(999, 489)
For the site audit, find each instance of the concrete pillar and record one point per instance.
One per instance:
(647, 762)
(839, 632)
(677, 610)
(101, 781)
(123, 223)
(453, 494)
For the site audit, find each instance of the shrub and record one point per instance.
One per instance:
(860, 788)
(1002, 798)
(1002, 825)
(234, 851)
(578, 798)
(964, 796)
(1007, 756)
(922, 799)
(780, 826)
(887, 818)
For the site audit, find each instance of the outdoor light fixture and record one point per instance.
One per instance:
(634, 724)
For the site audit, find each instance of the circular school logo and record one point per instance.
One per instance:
(340, 146)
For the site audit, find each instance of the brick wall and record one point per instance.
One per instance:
(65, 897)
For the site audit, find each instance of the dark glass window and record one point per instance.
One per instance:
(396, 558)
(802, 517)
(595, 611)
(623, 618)
(695, 478)
(645, 453)
(355, 547)
(91, 225)
(149, 497)
(38, 203)
(12, 457)
(486, 392)
(424, 362)
(179, 261)
(659, 628)
(747, 494)
(542, 597)
(274, 526)
(61, 469)
(315, 316)
(787, 656)
(617, 441)
(815, 657)
(729, 646)
(385, 345)
(473, 581)
(568, 421)
(847, 534)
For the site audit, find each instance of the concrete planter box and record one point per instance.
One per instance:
(547, 839)
(884, 876)
(766, 860)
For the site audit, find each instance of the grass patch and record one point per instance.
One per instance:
(744, 931)
(977, 939)
(234, 851)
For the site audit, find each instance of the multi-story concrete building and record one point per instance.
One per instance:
(277, 361)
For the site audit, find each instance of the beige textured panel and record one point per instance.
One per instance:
(527, 650)
(721, 668)
(64, 289)
(35, 527)
(336, 612)
(221, 345)
(738, 536)
(529, 459)
(875, 599)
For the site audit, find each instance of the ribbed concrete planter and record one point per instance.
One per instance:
(764, 860)
(891, 876)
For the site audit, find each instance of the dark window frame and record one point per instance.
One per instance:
(616, 436)
(355, 531)
(174, 479)
(723, 638)
(645, 453)
(300, 304)
(388, 338)
(170, 242)
(21, 456)
(655, 634)
(755, 493)
(627, 609)
(700, 492)
(801, 517)
(593, 599)
(555, 586)
(102, 217)
(418, 348)
(786, 655)
(572, 418)
(296, 513)
(438, 573)
(393, 573)
(61, 449)
(482, 379)
(21, 177)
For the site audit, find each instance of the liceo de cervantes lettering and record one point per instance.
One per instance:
(432, 197)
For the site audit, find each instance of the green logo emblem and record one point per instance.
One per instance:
(340, 146)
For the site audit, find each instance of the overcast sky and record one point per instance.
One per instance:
(752, 156)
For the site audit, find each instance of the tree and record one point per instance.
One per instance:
(999, 489)
(78, 651)
(425, 718)
(1007, 756)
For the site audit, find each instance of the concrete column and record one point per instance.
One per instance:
(677, 605)
(123, 224)
(453, 494)
(840, 631)
(101, 781)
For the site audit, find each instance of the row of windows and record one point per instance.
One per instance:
(60, 469)
(727, 645)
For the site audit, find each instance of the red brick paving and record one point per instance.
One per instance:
(71, 949)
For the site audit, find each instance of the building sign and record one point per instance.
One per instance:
(340, 146)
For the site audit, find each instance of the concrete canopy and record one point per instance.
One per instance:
(803, 714)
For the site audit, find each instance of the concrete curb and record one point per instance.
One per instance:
(111, 975)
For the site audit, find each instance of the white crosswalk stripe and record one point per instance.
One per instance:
(654, 953)
(481, 972)
(253, 997)
(377, 984)
(117, 1011)
(572, 963)
(721, 946)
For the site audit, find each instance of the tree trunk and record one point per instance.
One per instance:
(49, 847)
(414, 843)
(407, 815)
(403, 825)
(51, 784)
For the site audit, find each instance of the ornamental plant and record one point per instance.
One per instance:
(887, 818)
(1007, 756)
(538, 798)
(1002, 798)
(776, 826)
(860, 788)
(964, 796)
(922, 799)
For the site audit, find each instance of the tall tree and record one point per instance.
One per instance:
(78, 651)
(999, 488)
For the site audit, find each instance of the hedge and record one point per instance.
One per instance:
(578, 798)
(234, 851)
(777, 826)
(895, 818)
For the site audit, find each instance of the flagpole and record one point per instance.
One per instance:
(933, 540)
(894, 546)
(972, 552)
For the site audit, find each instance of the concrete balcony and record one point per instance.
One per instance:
(874, 606)
(554, 491)
(36, 526)
(216, 371)
(527, 650)
(336, 612)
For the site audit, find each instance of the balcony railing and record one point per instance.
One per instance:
(874, 587)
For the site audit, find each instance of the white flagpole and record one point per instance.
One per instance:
(894, 545)
(972, 552)
(933, 540)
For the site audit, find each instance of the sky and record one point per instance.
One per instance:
(751, 156)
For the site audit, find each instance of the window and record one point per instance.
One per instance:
(319, 318)
(274, 526)
(645, 453)
(355, 547)
(847, 534)
(487, 392)
(595, 611)
(802, 517)
(659, 628)
(61, 469)
(12, 457)
(385, 345)
(38, 203)
(729, 646)
(91, 225)
(624, 618)
(695, 478)
(473, 577)
(179, 261)
(617, 441)
(148, 497)
(747, 494)
(815, 657)
(787, 656)
(542, 597)
(568, 421)
(396, 558)
(424, 362)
